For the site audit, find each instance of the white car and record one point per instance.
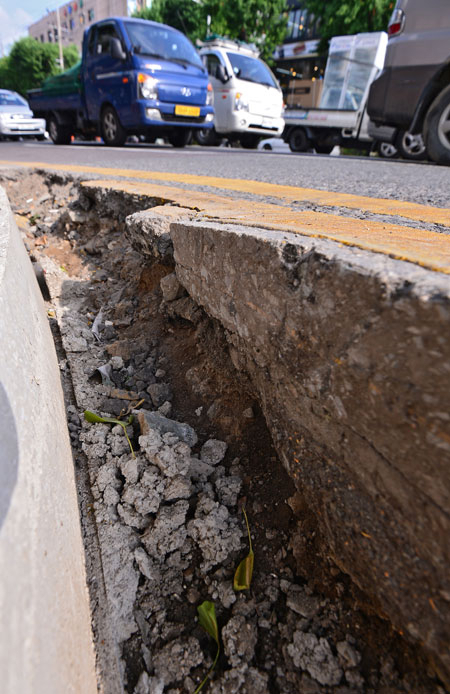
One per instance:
(17, 119)
(275, 144)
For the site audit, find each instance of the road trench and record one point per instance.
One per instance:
(153, 316)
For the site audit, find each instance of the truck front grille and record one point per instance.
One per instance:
(171, 118)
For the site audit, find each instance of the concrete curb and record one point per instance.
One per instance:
(45, 638)
(348, 353)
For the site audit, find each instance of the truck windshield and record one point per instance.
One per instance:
(251, 69)
(161, 42)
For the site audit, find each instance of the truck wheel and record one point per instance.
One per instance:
(387, 150)
(112, 132)
(60, 134)
(249, 141)
(324, 149)
(298, 140)
(437, 128)
(207, 137)
(410, 146)
(180, 137)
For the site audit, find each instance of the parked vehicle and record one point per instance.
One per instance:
(136, 77)
(16, 118)
(341, 119)
(274, 144)
(248, 101)
(412, 94)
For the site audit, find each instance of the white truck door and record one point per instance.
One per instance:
(223, 102)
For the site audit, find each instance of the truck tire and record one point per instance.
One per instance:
(324, 149)
(208, 137)
(180, 137)
(60, 134)
(298, 140)
(437, 128)
(386, 150)
(410, 146)
(112, 132)
(249, 141)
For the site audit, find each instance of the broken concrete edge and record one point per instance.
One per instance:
(348, 353)
(46, 641)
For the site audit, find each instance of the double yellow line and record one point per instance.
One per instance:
(424, 247)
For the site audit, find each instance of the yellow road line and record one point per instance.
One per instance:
(409, 210)
(427, 248)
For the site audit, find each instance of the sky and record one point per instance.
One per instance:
(17, 15)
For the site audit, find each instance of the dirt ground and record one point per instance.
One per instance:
(164, 530)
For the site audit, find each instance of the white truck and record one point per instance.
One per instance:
(248, 101)
(341, 119)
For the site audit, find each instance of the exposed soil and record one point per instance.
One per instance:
(166, 528)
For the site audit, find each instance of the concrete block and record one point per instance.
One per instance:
(45, 637)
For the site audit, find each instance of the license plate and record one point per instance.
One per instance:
(187, 110)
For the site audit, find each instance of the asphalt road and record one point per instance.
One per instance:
(369, 176)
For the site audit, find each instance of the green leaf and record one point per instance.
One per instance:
(96, 419)
(207, 619)
(244, 572)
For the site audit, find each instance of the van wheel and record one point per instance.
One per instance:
(112, 132)
(410, 146)
(207, 137)
(60, 134)
(437, 128)
(298, 140)
(180, 138)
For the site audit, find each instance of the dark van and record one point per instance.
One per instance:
(412, 92)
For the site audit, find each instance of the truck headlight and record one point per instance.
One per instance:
(241, 103)
(148, 86)
(209, 95)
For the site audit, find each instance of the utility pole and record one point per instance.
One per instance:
(58, 25)
(58, 29)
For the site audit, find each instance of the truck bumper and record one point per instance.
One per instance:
(245, 122)
(160, 114)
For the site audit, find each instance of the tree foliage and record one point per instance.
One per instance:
(30, 62)
(262, 22)
(341, 17)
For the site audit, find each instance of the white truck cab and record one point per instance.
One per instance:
(248, 101)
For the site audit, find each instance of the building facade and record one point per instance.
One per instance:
(299, 67)
(75, 16)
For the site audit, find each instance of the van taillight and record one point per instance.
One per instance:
(396, 23)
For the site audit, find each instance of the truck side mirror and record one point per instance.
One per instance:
(116, 49)
(221, 74)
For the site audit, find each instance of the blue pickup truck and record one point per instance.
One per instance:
(135, 77)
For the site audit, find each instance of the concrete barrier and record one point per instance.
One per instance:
(349, 355)
(45, 636)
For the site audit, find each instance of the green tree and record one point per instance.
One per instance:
(71, 56)
(262, 22)
(184, 15)
(30, 62)
(341, 17)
